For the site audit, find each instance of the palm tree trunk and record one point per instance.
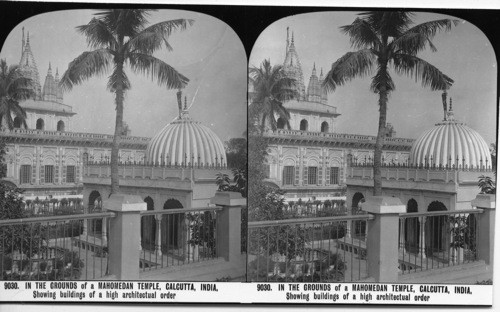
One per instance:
(115, 150)
(377, 162)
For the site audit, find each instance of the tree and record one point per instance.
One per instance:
(271, 88)
(236, 152)
(13, 88)
(388, 39)
(120, 38)
(486, 185)
(24, 238)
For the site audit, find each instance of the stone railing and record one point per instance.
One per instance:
(367, 139)
(73, 136)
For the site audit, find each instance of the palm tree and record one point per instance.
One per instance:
(388, 39)
(122, 37)
(271, 87)
(13, 89)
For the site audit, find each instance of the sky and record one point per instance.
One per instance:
(464, 54)
(209, 53)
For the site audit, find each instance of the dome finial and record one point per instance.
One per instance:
(179, 101)
(443, 97)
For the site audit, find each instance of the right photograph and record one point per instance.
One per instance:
(372, 149)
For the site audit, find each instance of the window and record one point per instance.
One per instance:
(312, 175)
(85, 158)
(288, 175)
(60, 126)
(334, 175)
(40, 125)
(70, 174)
(281, 123)
(17, 122)
(325, 127)
(49, 174)
(303, 125)
(267, 172)
(25, 174)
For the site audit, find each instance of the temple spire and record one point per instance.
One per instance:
(22, 42)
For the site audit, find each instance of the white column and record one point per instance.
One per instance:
(157, 219)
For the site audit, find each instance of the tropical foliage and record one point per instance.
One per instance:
(387, 40)
(486, 185)
(122, 37)
(271, 87)
(13, 89)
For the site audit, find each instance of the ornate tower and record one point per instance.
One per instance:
(292, 67)
(314, 88)
(49, 87)
(28, 66)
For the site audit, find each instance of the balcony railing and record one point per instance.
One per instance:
(53, 248)
(438, 239)
(178, 236)
(344, 137)
(308, 250)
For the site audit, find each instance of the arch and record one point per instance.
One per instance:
(356, 199)
(60, 126)
(436, 231)
(172, 226)
(95, 205)
(95, 201)
(18, 122)
(325, 127)
(359, 226)
(412, 228)
(148, 227)
(40, 124)
(280, 123)
(303, 125)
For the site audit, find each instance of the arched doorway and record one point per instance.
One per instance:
(280, 124)
(359, 226)
(412, 228)
(325, 127)
(60, 126)
(436, 231)
(40, 124)
(171, 226)
(95, 205)
(148, 227)
(303, 125)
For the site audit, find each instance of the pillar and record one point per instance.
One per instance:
(382, 240)
(485, 226)
(157, 219)
(229, 224)
(124, 235)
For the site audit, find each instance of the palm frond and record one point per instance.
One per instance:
(418, 37)
(158, 70)
(382, 79)
(85, 66)
(388, 23)
(361, 34)
(349, 66)
(97, 34)
(151, 38)
(415, 67)
(118, 79)
(124, 22)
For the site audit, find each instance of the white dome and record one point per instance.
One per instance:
(185, 142)
(450, 143)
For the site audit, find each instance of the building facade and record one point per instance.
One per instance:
(46, 158)
(309, 160)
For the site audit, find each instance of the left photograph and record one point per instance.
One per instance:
(123, 149)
